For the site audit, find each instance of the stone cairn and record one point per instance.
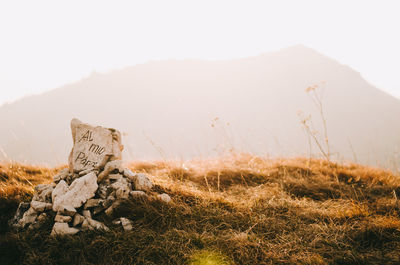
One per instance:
(95, 182)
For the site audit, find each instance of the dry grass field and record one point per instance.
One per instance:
(239, 209)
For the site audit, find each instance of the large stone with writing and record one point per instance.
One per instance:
(93, 146)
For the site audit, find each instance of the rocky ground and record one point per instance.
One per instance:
(94, 182)
(75, 199)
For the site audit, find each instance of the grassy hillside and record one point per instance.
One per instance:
(240, 209)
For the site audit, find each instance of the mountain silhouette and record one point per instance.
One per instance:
(191, 108)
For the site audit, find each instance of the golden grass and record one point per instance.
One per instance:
(240, 209)
(18, 180)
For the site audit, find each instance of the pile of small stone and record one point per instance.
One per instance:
(83, 191)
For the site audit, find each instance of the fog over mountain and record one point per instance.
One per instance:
(167, 109)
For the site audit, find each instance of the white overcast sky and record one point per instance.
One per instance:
(46, 44)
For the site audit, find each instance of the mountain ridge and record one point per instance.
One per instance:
(172, 104)
(292, 48)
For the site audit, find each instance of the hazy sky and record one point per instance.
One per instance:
(46, 44)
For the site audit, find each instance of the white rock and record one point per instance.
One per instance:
(22, 208)
(63, 174)
(59, 190)
(28, 217)
(85, 225)
(129, 174)
(126, 224)
(63, 229)
(92, 203)
(138, 194)
(117, 146)
(98, 225)
(116, 221)
(102, 190)
(164, 197)
(110, 167)
(123, 192)
(56, 178)
(72, 177)
(87, 214)
(67, 210)
(142, 182)
(90, 224)
(78, 219)
(78, 193)
(87, 171)
(111, 209)
(121, 188)
(43, 192)
(120, 183)
(46, 195)
(62, 219)
(109, 201)
(40, 206)
(115, 177)
(93, 146)
(41, 187)
(41, 218)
